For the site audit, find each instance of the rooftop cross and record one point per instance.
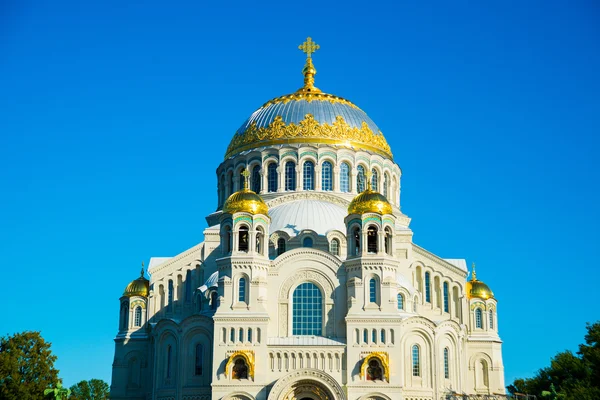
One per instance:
(246, 176)
(309, 47)
(474, 277)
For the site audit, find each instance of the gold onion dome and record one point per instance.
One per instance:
(309, 116)
(370, 201)
(477, 289)
(138, 287)
(245, 200)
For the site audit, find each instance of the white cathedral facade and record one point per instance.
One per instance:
(308, 285)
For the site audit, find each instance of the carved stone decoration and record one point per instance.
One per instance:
(308, 196)
(308, 380)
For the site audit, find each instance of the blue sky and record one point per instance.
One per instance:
(114, 117)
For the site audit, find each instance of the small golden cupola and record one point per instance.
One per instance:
(477, 289)
(245, 200)
(138, 287)
(370, 201)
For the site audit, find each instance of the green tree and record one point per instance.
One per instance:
(26, 367)
(569, 376)
(94, 389)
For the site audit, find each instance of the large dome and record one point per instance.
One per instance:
(309, 116)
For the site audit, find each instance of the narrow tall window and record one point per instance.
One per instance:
(428, 287)
(307, 310)
(138, 316)
(307, 242)
(334, 248)
(169, 361)
(232, 335)
(374, 336)
(365, 336)
(375, 180)
(356, 239)
(241, 335)
(199, 361)
(327, 176)
(256, 179)
(123, 321)
(491, 319)
(170, 298)
(230, 181)
(308, 176)
(446, 363)
(272, 177)
(259, 240)
(383, 336)
(290, 175)
(249, 335)
(242, 290)
(416, 361)
(478, 318)
(372, 236)
(227, 239)
(241, 180)
(373, 290)
(244, 237)
(188, 286)
(446, 298)
(360, 179)
(400, 299)
(213, 300)
(386, 185)
(345, 178)
(388, 241)
(280, 246)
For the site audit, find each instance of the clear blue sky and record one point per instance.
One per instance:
(114, 116)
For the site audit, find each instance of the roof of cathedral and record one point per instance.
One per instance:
(317, 215)
(245, 200)
(309, 116)
(370, 201)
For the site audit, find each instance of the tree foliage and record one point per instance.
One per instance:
(94, 389)
(569, 376)
(26, 367)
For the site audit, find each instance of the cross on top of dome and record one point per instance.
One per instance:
(309, 47)
(309, 69)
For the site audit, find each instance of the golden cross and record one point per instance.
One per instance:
(309, 47)
(246, 176)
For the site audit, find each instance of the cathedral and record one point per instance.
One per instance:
(308, 285)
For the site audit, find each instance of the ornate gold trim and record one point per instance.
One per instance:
(310, 96)
(309, 130)
(383, 359)
(248, 356)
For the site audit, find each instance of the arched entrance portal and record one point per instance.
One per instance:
(307, 384)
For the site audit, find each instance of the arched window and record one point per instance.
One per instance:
(199, 360)
(446, 297)
(272, 177)
(365, 336)
(334, 247)
(345, 178)
(372, 236)
(213, 300)
(491, 319)
(244, 237)
(169, 361)
(188, 286)
(375, 180)
(240, 369)
(280, 246)
(416, 361)
(373, 290)
(170, 298)
(327, 176)
(446, 363)
(356, 239)
(256, 179)
(241, 179)
(307, 242)
(308, 176)
(138, 316)
(242, 289)
(227, 240)
(249, 335)
(400, 299)
(260, 238)
(360, 179)
(428, 287)
(290, 175)
(123, 320)
(241, 335)
(374, 370)
(388, 241)
(374, 336)
(307, 306)
(386, 185)
(230, 181)
(232, 335)
(478, 318)
(383, 336)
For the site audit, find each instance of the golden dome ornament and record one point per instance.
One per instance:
(245, 200)
(370, 201)
(138, 287)
(477, 289)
